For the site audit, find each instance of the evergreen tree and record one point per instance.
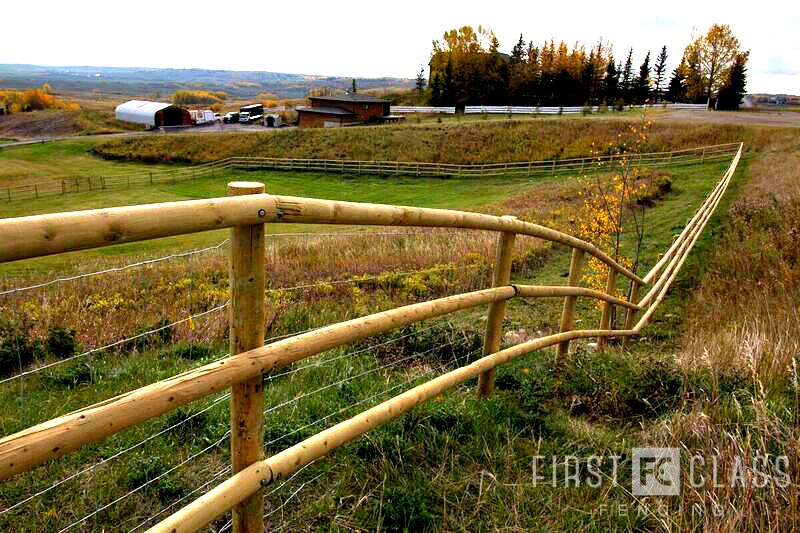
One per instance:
(733, 90)
(676, 92)
(436, 89)
(518, 53)
(660, 73)
(354, 89)
(448, 86)
(626, 82)
(611, 82)
(642, 90)
(420, 80)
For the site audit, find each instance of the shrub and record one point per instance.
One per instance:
(72, 376)
(619, 104)
(61, 342)
(17, 348)
(587, 109)
(192, 350)
(153, 340)
(409, 507)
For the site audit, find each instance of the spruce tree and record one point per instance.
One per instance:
(626, 83)
(421, 80)
(611, 82)
(660, 73)
(643, 81)
(676, 92)
(732, 91)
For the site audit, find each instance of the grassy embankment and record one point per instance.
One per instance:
(455, 461)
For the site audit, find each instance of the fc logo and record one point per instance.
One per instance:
(656, 472)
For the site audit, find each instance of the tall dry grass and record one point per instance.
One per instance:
(740, 353)
(744, 314)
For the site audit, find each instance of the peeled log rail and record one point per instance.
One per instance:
(22, 451)
(238, 487)
(26, 237)
(42, 235)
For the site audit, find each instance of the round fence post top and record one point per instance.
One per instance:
(236, 188)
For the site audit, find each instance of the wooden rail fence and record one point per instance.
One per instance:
(383, 168)
(245, 212)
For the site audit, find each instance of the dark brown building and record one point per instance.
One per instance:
(342, 110)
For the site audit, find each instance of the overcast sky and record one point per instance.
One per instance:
(373, 39)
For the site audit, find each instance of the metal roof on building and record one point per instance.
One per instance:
(355, 98)
(140, 111)
(326, 110)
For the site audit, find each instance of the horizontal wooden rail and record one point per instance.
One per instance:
(48, 234)
(40, 443)
(263, 473)
(70, 185)
(23, 450)
(25, 237)
(240, 486)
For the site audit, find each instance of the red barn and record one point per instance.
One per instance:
(342, 110)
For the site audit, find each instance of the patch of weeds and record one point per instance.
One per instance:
(61, 342)
(71, 377)
(145, 469)
(191, 351)
(162, 336)
(617, 386)
(190, 423)
(437, 346)
(408, 507)
(17, 348)
(279, 435)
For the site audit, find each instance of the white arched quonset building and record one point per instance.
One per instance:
(153, 114)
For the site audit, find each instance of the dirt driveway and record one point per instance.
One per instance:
(785, 119)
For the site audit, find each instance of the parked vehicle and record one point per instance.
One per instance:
(251, 113)
(231, 118)
(202, 116)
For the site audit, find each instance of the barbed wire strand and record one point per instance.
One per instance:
(275, 489)
(222, 306)
(213, 404)
(319, 421)
(115, 343)
(190, 253)
(114, 269)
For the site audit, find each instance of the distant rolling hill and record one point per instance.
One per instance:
(156, 81)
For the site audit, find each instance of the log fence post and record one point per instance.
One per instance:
(497, 310)
(568, 314)
(605, 318)
(630, 314)
(247, 257)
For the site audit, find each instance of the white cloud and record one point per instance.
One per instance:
(367, 38)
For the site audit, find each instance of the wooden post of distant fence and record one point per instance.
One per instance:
(497, 310)
(246, 333)
(631, 313)
(605, 318)
(568, 314)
